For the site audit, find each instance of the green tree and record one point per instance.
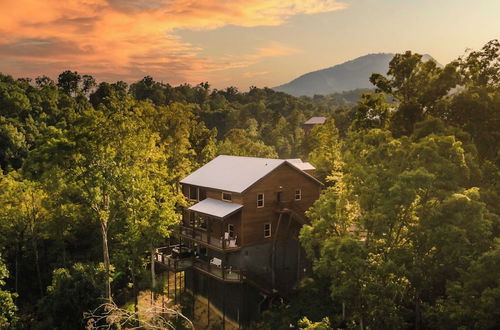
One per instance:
(8, 310)
(237, 142)
(325, 150)
(402, 221)
(417, 86)
(69, 82)
(73, 292)
(306, 324)
(22, 217)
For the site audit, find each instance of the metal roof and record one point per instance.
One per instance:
(315, 120)
(235, 173)
(216, 208)
(304, 166)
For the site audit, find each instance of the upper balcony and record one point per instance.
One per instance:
(214, 224)
(224, 242)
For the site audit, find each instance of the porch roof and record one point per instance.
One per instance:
(216, 208)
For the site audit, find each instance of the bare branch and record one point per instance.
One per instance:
(110, 316)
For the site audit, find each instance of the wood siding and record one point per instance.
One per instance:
(286, 180)
(249, 222)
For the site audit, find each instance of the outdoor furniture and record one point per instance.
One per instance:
(216, 261)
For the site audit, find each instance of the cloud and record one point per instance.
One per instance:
(127, 39)
(255, 74)
(275, 49)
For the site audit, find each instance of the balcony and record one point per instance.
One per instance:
(178, 258)
(200, 236)
(175, 258)
(218, 271)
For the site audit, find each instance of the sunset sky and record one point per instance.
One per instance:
(238, 42)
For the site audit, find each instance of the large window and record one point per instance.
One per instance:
(298, 194)
(267, 230)
(226, 196)
(260, 200)
(193, 193)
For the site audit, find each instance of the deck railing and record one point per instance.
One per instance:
(203, 237)
(165, 257)
(213, 267)
(225, 273)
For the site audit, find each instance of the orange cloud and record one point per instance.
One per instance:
(255, 74)
(127, 39)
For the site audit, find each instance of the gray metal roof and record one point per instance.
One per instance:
(235, 173)
(216, 208)
(315, 120)
(304, 166)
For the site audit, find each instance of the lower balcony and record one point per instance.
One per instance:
(215, 269)
(175, 258)
(178, 258)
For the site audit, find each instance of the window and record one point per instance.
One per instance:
(267, 230)
(298, 194)
(260, 200)
(226, 197)
(202, 194)
(193, 193)
(202, 223)
(230, 230)
(192, 218)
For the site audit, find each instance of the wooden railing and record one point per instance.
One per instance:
(202, 236)
(214, 267)
(222, 272)
(165, 257)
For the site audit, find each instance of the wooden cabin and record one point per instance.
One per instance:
(311, 122)
(241, 228)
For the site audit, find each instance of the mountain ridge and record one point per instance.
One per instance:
(349, 75)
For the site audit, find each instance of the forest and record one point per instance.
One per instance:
(406, 233)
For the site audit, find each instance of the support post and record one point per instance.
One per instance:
(175, 287)
(168, 284)
(273, 258)
(208, 304)
(223, 233)
(223, 306)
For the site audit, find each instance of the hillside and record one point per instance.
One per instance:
(347, 76)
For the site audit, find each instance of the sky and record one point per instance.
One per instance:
(238, 43)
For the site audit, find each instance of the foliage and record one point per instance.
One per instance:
(8, 317)
(305, 324)
(73, 292)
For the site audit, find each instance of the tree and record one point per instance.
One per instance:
(73, 292)
(306, 324)
(325, 150)
(88, 84)
(69, 82)
(22, 214)
(402, 221)
(238, 143)
(472, 301)
(8, 317)
(416, 87)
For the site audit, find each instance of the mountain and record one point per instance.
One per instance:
(347, 76)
